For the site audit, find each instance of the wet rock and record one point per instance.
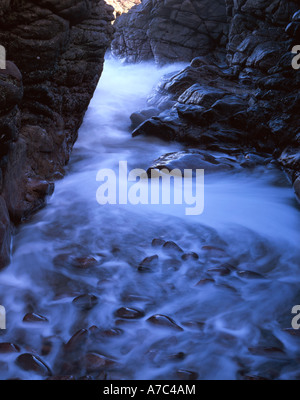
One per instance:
(85, 302)
(190, 257)
(229, 105)
(247, 101)
(138, 118)
(84, 262)
(6, 348)
(68, 260)
(250, 275)
(129, 313)
(148, 264)
(154, 29)
(164, 321)
(173, 247)
(107, 333)
(35, 318)
(29, 362)
(192, 159)
(45, 90)
(177, 357)
(94, 362)
(158, 242)
(201, 95)
(78, 340)
(230, 265)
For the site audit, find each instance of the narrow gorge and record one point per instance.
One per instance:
(102, 276)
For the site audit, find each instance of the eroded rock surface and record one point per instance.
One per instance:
(245, 100)
(171, 30)
(56, 52)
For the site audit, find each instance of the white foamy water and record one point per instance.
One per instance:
(229, 327)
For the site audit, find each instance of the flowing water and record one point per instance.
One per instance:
(230, 326)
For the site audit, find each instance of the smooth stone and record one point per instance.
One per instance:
(172, 246)
(164, 321)
(30, 362)
(158, 242)
(129, 313)
(109, 333)
(190, 256)
(85, 302)
(33, 318)
(77, 340)
(6, 348)
(148, 264)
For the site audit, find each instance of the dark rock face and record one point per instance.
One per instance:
(192, 159)
(56, 50)
(248, 100)
(171, 30)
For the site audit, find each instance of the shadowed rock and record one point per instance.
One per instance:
(55, 53)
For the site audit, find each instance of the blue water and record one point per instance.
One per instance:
(230, 327)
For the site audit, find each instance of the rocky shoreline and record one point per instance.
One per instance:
(56, 53)
(240, 93)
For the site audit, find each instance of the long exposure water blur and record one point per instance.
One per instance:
(223, 314)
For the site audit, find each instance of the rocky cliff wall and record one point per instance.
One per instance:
(55, 53)
(240, 91)
(171, 30)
